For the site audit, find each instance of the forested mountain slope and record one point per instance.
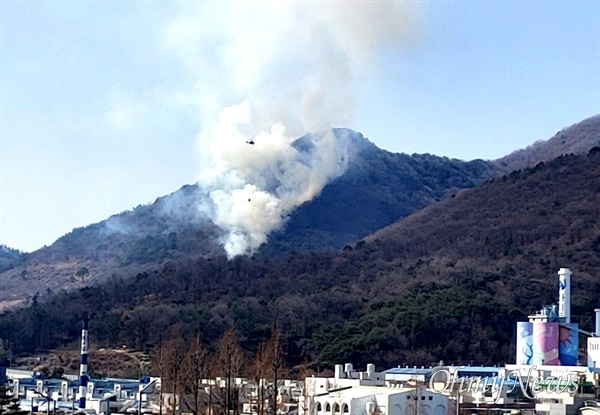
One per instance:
(446, 283)
(376, 189)
(579, 138)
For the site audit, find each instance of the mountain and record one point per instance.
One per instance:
(448, 282)
(168, 228)
(376, 189)
(548, 212)
(576, 139)
(8, 258)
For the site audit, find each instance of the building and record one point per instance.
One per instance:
(109, 395)
(370, 392)
(547, 365)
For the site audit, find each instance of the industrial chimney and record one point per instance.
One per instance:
(83, 370)
(564, 294)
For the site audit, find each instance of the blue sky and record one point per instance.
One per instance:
(104, 104)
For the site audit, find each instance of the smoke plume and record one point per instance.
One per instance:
(269, 73)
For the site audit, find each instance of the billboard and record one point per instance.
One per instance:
(593, 347)
(524, 343)
(545, 343)
(568, 344)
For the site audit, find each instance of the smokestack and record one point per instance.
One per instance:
(564, 294)
(83, 370)
(597, 333)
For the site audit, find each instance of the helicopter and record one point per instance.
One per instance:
(251, 142)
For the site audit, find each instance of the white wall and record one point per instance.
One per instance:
(389, 401)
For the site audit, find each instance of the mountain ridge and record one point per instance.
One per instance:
(172, 227)
(448, 282)
(377, 189)
(578, 138)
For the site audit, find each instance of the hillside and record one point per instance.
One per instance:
(377, 189)
(8, 258)
(448, 282)
(576, 139)
(112, 249)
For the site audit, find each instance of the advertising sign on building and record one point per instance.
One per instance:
(593, 347)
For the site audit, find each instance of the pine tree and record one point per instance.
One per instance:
(8, 404)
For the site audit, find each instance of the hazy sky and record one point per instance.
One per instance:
(104, 103)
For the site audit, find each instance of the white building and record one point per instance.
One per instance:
(559, 390)
(351, 392)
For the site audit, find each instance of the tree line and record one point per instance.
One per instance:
(446, 284)
(205, 378)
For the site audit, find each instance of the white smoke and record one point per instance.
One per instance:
(269, 73)
(253, 188)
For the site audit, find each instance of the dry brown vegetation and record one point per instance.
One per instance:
(448, 283)
(104, 362)
(378, 189)
(576, 139)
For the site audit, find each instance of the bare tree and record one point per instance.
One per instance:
(173, 355)
(194, 369)
(305, 373)
(160, 364)
(414, 405)
(275, 354)
(230, 359)
(261, 370)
